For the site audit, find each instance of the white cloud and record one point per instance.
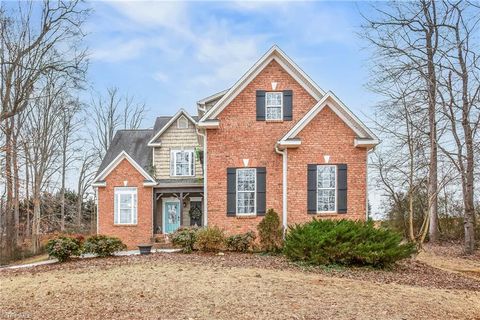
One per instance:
(160, 76)
(119, 50)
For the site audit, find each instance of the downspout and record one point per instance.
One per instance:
(284, 188)
(96, 204)
(205, 194)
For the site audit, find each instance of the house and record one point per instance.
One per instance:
(275, 139)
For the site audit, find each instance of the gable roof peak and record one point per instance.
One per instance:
(180, 112)
(274, 53)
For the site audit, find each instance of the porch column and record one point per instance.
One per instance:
(181, 208)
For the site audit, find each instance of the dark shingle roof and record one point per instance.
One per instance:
(133, 142)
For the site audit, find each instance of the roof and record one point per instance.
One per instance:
(163, 123)
(275, 53)
(134, 143)
(364, 135)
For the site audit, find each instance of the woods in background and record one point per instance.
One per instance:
(49, 152)
(426, 66)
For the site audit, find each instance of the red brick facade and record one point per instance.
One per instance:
(131, 235)
(241, 137)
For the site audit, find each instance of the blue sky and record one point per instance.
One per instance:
(171, 54)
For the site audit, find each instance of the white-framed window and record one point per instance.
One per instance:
(182, 163)
(125, 205)
(273, 105)
(246, 191)
(326, 188)
(182, 123)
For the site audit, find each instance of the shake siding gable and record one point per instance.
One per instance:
(172, 139)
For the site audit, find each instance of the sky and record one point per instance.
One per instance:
(172, 54)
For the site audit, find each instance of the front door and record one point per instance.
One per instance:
(171, 215)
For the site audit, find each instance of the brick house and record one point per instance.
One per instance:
(273, 140)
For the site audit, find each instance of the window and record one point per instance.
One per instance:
(246, 191)
(326, 188)
(273, 106)
(182, 163)
(125, 205)
(182, 123)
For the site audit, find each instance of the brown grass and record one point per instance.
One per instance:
(213, 287)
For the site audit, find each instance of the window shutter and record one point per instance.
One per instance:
(260, 105)
(261, 191)
(312, 188)
(172, 163)
(231, 191)
(115, 208)
(342, 188)
(287, 105)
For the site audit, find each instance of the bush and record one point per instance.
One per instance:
(210, 239)
(270, 232)
(185, 237)
(103, 246)
(240, 242)
(63, 248)
(345, 242)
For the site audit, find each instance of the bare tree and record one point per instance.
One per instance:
(405, 37)
(85, 178)
(460, 96)
(111, 113)
(30, 47)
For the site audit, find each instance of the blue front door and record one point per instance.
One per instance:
(171, 215)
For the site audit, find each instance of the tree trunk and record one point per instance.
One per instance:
(36, 219)
(9, 213)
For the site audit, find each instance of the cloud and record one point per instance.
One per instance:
(119, 50)
(160, 76)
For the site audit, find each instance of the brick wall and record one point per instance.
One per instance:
(326, 134)
(131, 235)
(240, 137)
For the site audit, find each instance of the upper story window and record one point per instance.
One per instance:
(125, 205)
(182, 163)
(182, 123)
(246, 191)
(326, 188)
(273, 106)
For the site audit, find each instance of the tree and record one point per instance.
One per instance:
(111, 113)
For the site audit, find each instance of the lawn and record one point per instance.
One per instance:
(233, 286)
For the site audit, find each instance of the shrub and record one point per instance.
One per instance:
(240, 242)
(186, 238)
(270, 232)
(103, 246)
(210, 239)
(345, 242)
(63, 248)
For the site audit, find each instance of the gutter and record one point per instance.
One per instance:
(205, 194)
(284, 187)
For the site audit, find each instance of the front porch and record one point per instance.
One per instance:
(177, 207)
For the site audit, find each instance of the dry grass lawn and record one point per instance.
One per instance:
(171, 288)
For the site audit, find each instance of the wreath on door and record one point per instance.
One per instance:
(195, 213)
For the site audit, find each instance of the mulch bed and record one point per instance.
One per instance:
(409, 272)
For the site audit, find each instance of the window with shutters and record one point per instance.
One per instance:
(125, 205)
(274, 106)
(326, 188)
(246, 191)
(183, 163)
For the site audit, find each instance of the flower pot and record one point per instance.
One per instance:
(145, 248)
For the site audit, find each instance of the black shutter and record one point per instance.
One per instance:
(312, 188)
(231, 191)
(261, 191)
(287, 105)
(260, 105)
(342, 188)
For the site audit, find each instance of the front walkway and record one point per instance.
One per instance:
(86, 256)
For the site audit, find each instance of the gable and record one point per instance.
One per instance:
(364, 137)
(274, 54)
(172, 123)
(121, 158)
